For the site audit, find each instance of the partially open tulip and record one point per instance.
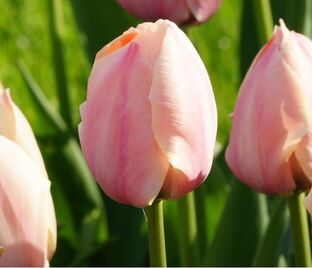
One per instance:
(27, 219)
(270, 146)
(178, 11)
(148, 126)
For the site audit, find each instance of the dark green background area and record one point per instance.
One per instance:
(92, 229)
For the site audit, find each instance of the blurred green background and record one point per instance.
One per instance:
(49, 46)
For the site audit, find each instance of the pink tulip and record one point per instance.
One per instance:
(149, 123)
(27, 219)
(270, 145)
(179, 11)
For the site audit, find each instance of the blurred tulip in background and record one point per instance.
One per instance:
(27, 219)
(149, 122)
(270, 145)
(179, 11)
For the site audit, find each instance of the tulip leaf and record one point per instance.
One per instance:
(263, 19)
(270, 248)
(217, 188)
(293, 13)
(56, 28)
(93, 234)
(97, 27)
(67, 235)
(41, 101)
(297, 15)
(249, 47)
(214, 193)
(68, 170)
(307, 23)
(127, 229)
(75, 161)
(240, 228)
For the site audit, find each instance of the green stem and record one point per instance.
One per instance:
(200, 204)
(188, 230)
(264, 21)
(300, 230)
(156, 234)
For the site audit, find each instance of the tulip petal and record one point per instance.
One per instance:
(115, 131)
(23, 232)
(202, 10)
(184, 117)
(51, 228)
(270, 120)
(303, 154)
(15, 127)
(7, 126)
(174, 10)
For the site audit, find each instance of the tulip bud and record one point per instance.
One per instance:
(180, 12)
(148, 126)
(270, 146)
(27, 219)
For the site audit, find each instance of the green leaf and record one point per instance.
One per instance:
(128, 241)
(270, 248)
(56, 28)
(307, 21)
(81, 176)
(240, 229)
(249, 47)
(41, 102)
(101, 22)
(293, 13)
(93, 234)
(217, 188)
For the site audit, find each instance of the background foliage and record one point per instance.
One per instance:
(48, 47)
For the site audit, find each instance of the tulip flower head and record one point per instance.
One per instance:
(178, 11)
(148, 126)
(270, 146)
(27, 219)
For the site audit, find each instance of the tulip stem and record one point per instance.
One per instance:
(264, 21)
(156, 234)
(188, 230)
(300, 230)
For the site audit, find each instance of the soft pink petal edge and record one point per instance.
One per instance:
(184, 112)
(25, 210)
(126, 170)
